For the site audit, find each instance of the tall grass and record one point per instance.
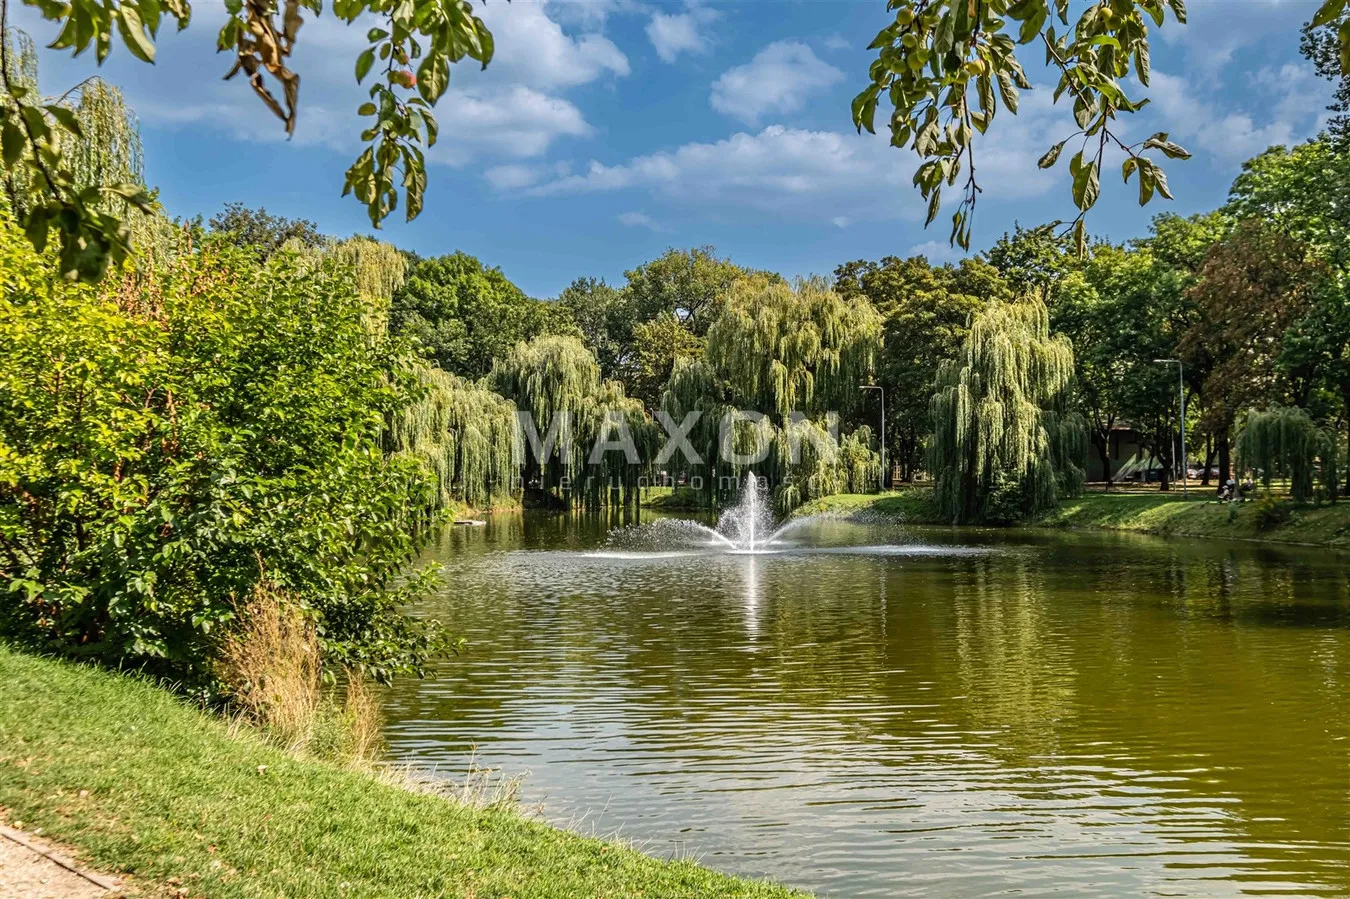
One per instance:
(273, 672)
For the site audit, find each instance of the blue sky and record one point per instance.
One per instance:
(608, 130)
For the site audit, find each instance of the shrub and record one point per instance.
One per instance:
(169, 441)
(1270, 512)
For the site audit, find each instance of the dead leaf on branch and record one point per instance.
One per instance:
(261, 48)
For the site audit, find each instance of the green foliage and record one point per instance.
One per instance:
(463, 315)
(73, 164)
(941, 59)
(557, 381)
(1000, 418)
(658, 346)
(1271, 512)
(431, 35)
(171, 440)
(688, 284)
(465, 434)
(1285, 442)
(1255, 283)
(266, 233)
(777, 349)
(606, 319)
(925, 310)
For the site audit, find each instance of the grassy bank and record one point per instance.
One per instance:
(1203, 517)
(1167, 514)
(139, 783)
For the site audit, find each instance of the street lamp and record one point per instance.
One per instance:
(884, 473)
(1181, 393)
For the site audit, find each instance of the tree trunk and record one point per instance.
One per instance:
(1225, 459)
(1209, 460)
(1104, 452)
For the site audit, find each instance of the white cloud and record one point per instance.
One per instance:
(673, 34)
(819, 176)
(1290, 101)
(532, 48)
(640, 220)
(514, 110)
(511, 176)
(777, 80)
(837, 42)
(816, 175)
(938, 251)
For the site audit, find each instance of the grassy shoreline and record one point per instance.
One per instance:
(1146, 513)
(140, 784)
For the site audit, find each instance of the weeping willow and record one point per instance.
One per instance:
(1285, 442)
(780, 350)
(379, 270)
(557, 381)
(107, 151)
(463, 433)
(1002, 434)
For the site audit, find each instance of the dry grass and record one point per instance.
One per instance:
(272, 666)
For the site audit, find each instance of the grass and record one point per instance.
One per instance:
(1201, 516)
(139, 783)
(913, 505)
(1153, 512)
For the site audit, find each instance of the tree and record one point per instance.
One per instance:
(1253, 287)
(83, 177)
(937, 59)
(1032, 261)
(464, 434)
(1321, 45)
(464, 314)
(1005, 443)
(779, 360)
(926, 311)
(688, 284)
(1287, 443)
(267, 233)
(606, 319)
(172, 440)
(557, 381)
(658, 346)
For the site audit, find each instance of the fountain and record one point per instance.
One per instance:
(746, 528)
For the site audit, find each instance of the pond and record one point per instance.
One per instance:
(875, 710)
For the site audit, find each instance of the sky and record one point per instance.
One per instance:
(605, 131)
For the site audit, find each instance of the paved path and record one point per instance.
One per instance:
(31, 869)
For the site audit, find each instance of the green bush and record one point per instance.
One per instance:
(170, 439)
(1271, 512)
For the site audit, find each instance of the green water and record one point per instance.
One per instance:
(883, 711)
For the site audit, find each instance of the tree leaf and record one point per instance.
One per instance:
(363, 63)
(433, 76)
(131, 28)
(1051, 155)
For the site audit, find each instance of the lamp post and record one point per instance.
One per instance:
(1181, 394)
(885, 474)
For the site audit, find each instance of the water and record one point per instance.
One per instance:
(880, 711)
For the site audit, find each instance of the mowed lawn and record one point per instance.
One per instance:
(139, 783)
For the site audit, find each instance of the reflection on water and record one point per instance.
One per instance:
(883, 712)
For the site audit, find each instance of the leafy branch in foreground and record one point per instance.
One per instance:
(41, 183)
(429, 35)
(945, 66)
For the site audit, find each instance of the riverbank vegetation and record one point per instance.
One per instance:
(141, 784)
(1270, 520)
